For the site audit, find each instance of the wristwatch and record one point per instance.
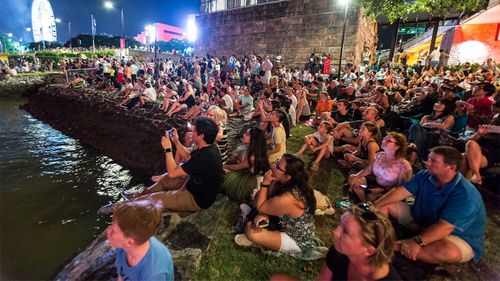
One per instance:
(167, 150)
(419, 241)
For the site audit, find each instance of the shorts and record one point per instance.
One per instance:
(465, 248)
(434, 64)
(288, 245)
(405, 217)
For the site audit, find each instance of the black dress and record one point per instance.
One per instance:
(339, 263)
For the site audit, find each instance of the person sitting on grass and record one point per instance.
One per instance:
(363, 247)
(390, 169)
(482, 151)
(278, 136)
(425, 135)
(346, 131)
(324, 105)
(244, 172)
(320, 141)
(220, 118)
(285, 193)
(448, 216)
(140, 256)
(340, 115)
(366, 150)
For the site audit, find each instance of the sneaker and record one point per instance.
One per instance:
(242, 240)
(106, 209)
(127, 195)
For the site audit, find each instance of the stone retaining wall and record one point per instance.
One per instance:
(130, 137)
(294, 29)
(21, 85)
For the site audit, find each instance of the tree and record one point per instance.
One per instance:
(85, 41)
(173, 44)
(397, 10)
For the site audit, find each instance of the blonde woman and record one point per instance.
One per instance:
(220, 117)
(363, 246)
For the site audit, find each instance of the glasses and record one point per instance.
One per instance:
(277, 166)
(387, 139)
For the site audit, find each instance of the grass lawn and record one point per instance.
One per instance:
(225, 260)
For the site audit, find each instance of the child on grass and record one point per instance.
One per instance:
(320, 141)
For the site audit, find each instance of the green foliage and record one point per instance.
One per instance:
(400, 9)
(85, 41)
(174, 44)
(7, 41)
(225, 260)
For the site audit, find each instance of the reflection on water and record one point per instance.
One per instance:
(50, 189)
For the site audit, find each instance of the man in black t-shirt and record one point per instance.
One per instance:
(339, 115)
(193, 185)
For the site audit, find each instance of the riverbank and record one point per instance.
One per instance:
(202, 243)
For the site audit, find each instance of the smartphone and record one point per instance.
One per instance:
(263, 224)
(363, 186)
(170, 133)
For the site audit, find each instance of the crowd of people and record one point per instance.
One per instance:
(414, 142)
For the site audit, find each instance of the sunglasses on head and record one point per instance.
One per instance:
(366, 212)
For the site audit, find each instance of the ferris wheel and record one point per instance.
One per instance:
(43, 21)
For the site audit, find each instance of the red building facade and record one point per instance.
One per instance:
(160, 31)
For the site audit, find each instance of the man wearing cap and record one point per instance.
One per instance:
(478, 107)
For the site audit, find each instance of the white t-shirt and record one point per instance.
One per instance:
(228, 101)
(435, 55)
(150, 93)
(133, 69)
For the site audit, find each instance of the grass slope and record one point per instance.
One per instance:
(225, 260)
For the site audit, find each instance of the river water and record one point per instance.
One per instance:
(50, 189)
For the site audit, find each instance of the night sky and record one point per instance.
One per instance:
(16, 14)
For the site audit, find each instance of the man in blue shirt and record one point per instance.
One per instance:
(140, 255)
(448, 212)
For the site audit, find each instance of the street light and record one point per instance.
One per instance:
(58, 20)
(110, 5)
(346, 4)
(151, 28)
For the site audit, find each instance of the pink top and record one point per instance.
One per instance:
(482, 108)
(394, 175)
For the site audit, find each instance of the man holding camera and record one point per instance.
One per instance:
(193, 185)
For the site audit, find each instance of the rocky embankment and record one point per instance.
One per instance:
(187, 235)
(130, 137)
(23, 85)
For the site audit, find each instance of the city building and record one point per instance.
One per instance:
(292, 29)
(160, 32)
(473, 39)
